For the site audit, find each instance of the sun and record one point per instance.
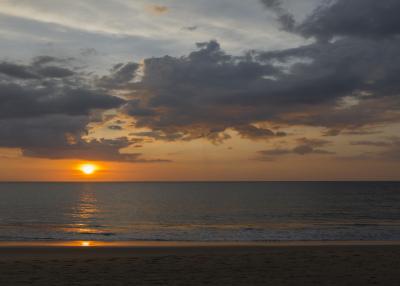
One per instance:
(85, 243)
(88, 169)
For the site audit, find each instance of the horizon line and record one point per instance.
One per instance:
(213, 181)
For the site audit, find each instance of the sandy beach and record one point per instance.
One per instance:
(201, 264)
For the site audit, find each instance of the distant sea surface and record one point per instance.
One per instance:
(267, 211)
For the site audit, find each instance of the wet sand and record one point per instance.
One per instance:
(200, 264)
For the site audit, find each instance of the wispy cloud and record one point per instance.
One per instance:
(304, 146)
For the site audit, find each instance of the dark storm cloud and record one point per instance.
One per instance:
(364, 18)
(55, 72)
(94, 150)
(120, 74)
(359, 18)
(210, 91)
(39, 69)
(284, 17)
(60, 137)
(189, 95)
(304, 146)
(46, 131)
(32, 100)
(45, 108)
(45, 87)
(16, 71)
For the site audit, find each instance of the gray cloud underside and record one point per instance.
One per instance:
(209, 91)
(44, 87)
(95, 150)
(45, 109)
(359, 18)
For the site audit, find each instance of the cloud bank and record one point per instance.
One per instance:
(345, 81)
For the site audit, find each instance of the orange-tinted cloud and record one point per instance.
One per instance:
(157, 9)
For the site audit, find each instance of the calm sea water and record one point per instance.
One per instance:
(200, 211)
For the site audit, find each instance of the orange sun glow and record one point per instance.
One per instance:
(88, 169)
(85, 243)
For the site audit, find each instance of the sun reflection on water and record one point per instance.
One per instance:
(86, 212)
(87, 207)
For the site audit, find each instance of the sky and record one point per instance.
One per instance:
(200, 90)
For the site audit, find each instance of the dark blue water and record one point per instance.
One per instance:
(200, 211)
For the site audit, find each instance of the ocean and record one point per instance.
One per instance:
(231, 211)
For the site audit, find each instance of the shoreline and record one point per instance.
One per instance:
(158, 263)
(62, 250)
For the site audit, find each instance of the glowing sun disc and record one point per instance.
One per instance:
(88, 169)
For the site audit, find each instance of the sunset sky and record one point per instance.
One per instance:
(200, 90)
